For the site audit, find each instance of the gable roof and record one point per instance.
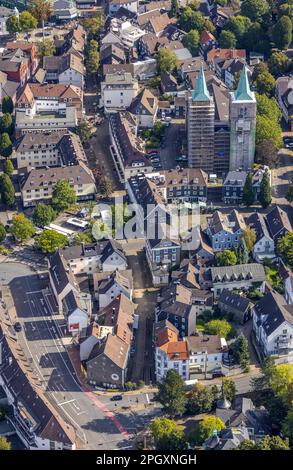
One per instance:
(145, 99)
(272, 311)
(278, 221)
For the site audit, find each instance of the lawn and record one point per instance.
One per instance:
(273, 277)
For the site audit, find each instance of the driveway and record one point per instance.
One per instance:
(173, 145)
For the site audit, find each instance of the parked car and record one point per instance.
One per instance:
(17, 326)
(116, 398)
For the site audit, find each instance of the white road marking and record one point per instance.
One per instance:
(65, 402)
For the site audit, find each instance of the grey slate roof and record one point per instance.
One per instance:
(272, 307)
(234, 300)
(252, 272)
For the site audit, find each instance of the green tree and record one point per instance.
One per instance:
(267, 153)
(218, 327)
(43, 215)
(6, 124)
(254, 9)
(242, 253)
(42, 10)
(7, 190)
(105, 186)
(84, 131)
(167, 60)
(285, 248)
(282, 33)
(2, 232)
(4, 444)
(241, 353)
(238, 25)
(93, 25)
(246, 445)
(229, 389)
(262, 67)
(27, 21)
(168, 435)
(7, 105)
(205, 428)
(45, 48)
(171, 394)
(49, 241)
(12, 25)
(289, 195)
(228, 40)
(268, 107)
(265, 195)
(200, 399)
(8, 167)
(265, 83)
(191, 19)
(22, 228)
(278, 63)
(63, 196)
(191, 41)
(174, 8)
(249, 236)
(83, 237)
(273, 443)
(226, 258)
(248, 194)
(288, 425)
(5, 145)
(266, 129)
(281, 379)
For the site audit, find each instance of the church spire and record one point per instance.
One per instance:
(243, 92)
(200, 92)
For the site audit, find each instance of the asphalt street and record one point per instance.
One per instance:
(100, 422)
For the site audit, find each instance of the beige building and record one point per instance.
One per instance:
(37, 186)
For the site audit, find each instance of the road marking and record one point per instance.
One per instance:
(65, 402)
(107, 412)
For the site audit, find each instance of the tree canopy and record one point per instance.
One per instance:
(205, 428)
(50, 240)
(171, 394)
(248, 194)
(191, 41)
(218, 327)
(226, 258)
(7, 191)
(63, 196)
(22, 228)
(285, 248)
(168, 435)
(167, 60)
(265, 196)
(43, 215)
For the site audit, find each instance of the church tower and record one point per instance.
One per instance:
(201, 126)
(242, 125)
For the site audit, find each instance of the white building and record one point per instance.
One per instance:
(273, 326)
(109, 285)
(130, 34)
(264, 246)
(131, 5)
(205, 353)
(117, 91)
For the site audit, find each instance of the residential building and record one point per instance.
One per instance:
(157, 24)
(112, 54)
(207, 41)
(168, 84)
(6, 13)
(37, 185)
(67, 70)
(36, 421)
(145, 107)
(176, 305)
(236, 305)
(29, 52)
(109, 285)
(163, 253)
(205, 354)
(15, 64)
(242, 125)
(39, 122)
(49, 149)
(106, 358)
(118, 91)
(170, 352)
(200, 126)
(50, 99)
(65, 10)
(264, 246)
(126, 147)
(233, 187)
(278, 223)
(114, 5)
(105, 256)
(273, 326)
(224, 231)
(229, 70)
(284, 95)
(224, 54)
(130, 34)
(8, 88)
(240, 276)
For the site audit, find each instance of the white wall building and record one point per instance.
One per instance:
(117, 91)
